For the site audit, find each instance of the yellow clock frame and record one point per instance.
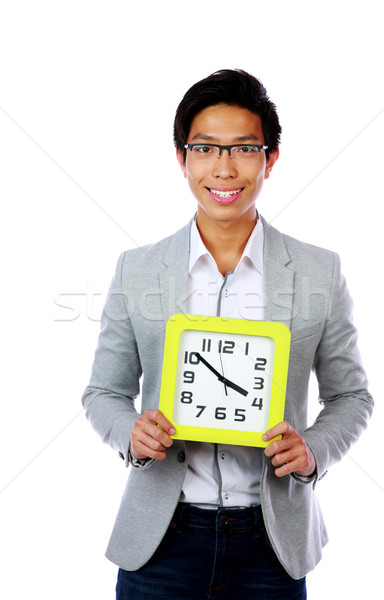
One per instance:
(181, 322)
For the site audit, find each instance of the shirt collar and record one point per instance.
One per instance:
(253, 250)
(255, 245)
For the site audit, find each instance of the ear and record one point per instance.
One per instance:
(270, 163)
(181, 161)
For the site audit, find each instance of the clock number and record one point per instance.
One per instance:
(201, 409)
(189, 377)
(186, 397)
(220, 413)
(239, 412)
(206, 345)
(260, 364)
(190, 357)
(226, 346)
(259, 383)
(258, 402)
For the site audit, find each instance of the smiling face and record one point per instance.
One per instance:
(226, 188)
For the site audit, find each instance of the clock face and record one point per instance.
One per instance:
(240, 398)
(224, 380)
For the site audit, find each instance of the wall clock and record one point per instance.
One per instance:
(224, 380)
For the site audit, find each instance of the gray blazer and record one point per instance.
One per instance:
(303, 289)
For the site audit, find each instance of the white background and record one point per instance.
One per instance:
(88, 91)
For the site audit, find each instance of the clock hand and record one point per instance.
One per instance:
(222, 370)
(220, 377)
(206, 363)
(235, 387)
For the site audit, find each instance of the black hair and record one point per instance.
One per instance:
(235, 88)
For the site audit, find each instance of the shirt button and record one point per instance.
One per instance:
(222, 454)
(181, 457)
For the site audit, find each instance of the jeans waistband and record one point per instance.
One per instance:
(218, 519)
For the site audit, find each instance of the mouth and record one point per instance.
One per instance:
(225, 196)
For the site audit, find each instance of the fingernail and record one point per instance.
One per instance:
(172, 431)
(265, 437)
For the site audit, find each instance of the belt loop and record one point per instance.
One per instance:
(180, 510)
(257, 515)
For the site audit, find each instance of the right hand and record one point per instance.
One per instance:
(151, 435)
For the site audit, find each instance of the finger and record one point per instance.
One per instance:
(298, 464)
(156, 416)
(145, 442)
(279, 446)
(274, 448)
(145, 430)
(297, 459)
(141, 450)
(150, 444)
(156, 425)
(286, 469)
(280, 429)
(286, 457)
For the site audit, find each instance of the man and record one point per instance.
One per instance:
(201, 520)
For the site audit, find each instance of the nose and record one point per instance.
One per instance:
(224, 166)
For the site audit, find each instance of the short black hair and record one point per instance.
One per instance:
(233, 87)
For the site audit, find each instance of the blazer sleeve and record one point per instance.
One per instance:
(342, 382)
(109, 398)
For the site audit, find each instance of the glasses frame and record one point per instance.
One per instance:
(260, 147)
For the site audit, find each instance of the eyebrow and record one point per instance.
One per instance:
(242, 138)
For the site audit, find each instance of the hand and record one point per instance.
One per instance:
(151, 435)
(291, 453)
(221, 378)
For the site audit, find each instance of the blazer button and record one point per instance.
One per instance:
(181, 457)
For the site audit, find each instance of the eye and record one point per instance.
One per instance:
(247, 149)
(203, 149)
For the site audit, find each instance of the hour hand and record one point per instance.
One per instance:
(234, 386)
(221, 378)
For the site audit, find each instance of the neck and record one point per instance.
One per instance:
(226, 243)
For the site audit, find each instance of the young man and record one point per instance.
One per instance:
(200, 520)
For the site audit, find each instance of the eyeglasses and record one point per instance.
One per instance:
(236, 151)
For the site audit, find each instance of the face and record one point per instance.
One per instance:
(226, 189)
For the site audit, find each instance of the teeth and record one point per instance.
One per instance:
(225, 194)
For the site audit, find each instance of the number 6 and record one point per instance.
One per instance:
(220, 413)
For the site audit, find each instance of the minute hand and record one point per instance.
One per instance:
(221, 378)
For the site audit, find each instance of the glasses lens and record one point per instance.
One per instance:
(205, 151)
(245, 152)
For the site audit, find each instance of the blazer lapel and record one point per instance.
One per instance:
(173, 279)
(278, 277)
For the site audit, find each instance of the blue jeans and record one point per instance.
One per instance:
(212, 554)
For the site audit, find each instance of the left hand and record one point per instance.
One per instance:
(291, 453)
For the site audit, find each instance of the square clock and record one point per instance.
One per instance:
(224, 380)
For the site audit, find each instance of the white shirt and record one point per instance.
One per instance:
(219, 474)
